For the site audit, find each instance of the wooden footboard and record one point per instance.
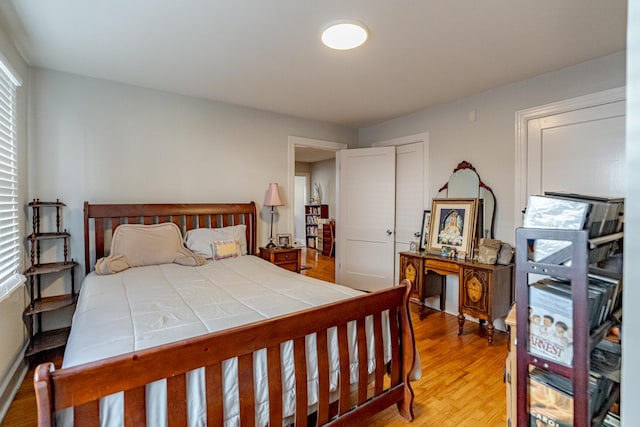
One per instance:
(81, 387)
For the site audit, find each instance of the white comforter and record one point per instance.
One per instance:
(147, 306)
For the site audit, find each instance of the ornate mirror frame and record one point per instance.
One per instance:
(465, 182)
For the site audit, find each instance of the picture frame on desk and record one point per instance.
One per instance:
(284, 240)
(424, 232)
(453, 223)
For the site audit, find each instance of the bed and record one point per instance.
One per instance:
(267, 366)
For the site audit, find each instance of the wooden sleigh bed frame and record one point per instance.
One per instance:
(81, 387)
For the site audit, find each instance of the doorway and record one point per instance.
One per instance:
(304, 153)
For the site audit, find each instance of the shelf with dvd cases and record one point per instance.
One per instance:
(566, 373)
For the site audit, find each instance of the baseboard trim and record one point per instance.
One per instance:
(12, 383)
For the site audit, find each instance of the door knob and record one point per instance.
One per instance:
(389, 232)
(416, 234)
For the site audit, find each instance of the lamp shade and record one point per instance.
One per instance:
(273, 197)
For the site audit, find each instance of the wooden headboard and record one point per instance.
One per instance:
(101, 220)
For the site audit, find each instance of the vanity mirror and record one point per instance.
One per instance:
(465, 182)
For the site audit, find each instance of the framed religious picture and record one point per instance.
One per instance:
(453, 223)
(424, 233)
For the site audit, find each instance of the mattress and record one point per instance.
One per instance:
(148, 306)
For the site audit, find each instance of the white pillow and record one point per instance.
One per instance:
(199, 240)
(136, 245)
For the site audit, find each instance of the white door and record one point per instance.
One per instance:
(412, 189)
(410, 184)
(581, 150)
(365, 218)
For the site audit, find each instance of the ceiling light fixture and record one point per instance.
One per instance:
(344, 35)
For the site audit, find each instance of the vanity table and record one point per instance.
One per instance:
(484, 290)
(423, 284)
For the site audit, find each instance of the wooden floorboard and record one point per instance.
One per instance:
(462, 376)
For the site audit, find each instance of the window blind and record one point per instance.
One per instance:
(9, 219)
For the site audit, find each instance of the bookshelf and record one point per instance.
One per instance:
(586, 257)
(312, 215)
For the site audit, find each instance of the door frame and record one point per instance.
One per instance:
(298, 141)
(522, 134)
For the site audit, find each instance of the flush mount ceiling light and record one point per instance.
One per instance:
(344, 35)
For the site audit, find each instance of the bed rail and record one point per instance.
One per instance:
(81, 387)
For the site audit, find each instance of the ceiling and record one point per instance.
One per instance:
(268, 55)
(312, 155)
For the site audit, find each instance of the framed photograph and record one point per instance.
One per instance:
(424, 232)
(453, 223)
(284, 240)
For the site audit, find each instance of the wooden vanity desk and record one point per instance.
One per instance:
(485, 291)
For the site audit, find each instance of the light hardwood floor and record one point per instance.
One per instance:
(462, 376)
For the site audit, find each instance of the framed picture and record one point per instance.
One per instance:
(424, 232)
(284, 240)
(453, 225)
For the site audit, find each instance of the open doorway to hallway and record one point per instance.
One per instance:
(311, 165)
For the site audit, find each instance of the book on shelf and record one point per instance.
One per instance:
(548, 406)
(599, 215)
(605, 360)
(551, 397)
(600, 295)
(611, 420)
(311, 242)
(555, 213)
(551, 314)
(603, 215)
(550, 323)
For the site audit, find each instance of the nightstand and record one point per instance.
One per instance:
(288, 258)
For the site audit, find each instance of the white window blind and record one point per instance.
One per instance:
(9, 221)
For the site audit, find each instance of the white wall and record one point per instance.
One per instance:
(13, 334)
(105, 142)
(489, 142)
(324, 172)
(631, 294)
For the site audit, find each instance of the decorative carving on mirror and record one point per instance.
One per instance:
(465, 182)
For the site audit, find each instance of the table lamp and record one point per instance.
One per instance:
(272, 200)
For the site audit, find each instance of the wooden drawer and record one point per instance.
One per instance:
(283, 257)
(444, 266)
(292, 266)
